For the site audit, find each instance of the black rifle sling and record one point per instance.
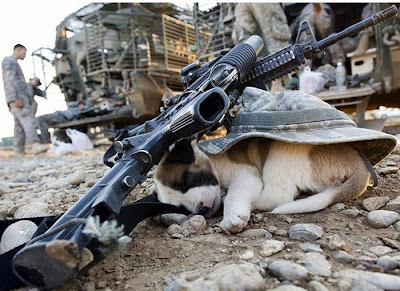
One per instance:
(129, 216)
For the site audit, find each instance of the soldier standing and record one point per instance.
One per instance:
(265, 19)
(33, 91)
(17, 99)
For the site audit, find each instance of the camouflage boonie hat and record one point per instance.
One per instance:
(297, 117)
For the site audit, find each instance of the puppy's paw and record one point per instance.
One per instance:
(234, 223)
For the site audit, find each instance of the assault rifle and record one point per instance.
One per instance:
(49, 260)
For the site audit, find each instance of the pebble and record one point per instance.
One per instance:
(365, 261)
(380, 250)
(352, 213)
(17, 234)
(310, 247)
(342, 257)
(374, 203)
(34, 209)
(391, 242)
(357, 285)
(316, 286)
(172, 218)
(270, 247)
(285, 270)
(255, 233)
(387, 263)
(338, 206)
(288, 288)
(382, 218)
(393, 206)
(316, 264)
(3, 211)
(174, 229)
(336, 243)
(197, 224)
(396, 226)
(230, 277)
(387, 170)
(380, 280)
(305, 231)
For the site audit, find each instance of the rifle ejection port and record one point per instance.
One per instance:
(129, 181)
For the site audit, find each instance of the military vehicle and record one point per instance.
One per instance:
(119, 59)
(374, 76)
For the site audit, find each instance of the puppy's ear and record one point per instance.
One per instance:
(181, 153)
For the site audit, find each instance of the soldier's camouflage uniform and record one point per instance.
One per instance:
(265, 19)
(53, 118)
(32, 92)
(15, 88)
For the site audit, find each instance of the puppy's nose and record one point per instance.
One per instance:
(203, 209)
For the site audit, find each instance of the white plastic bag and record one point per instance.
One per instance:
(80, 140)
(60, 147)
(310, 81)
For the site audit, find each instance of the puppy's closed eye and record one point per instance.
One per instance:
(195, 179)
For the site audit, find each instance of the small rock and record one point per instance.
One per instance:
(381, 280)
(391, 242)
(382, 218)
(305, 231)
(174, 229)
(288, 271)
(338, 206)
(17, 234)
(176, 236)
(247, 255)
(270, 247)
(336, 243)
(357, 285)
(316, 264)
(342, 257)
(172, 218)
(289, 287)
(197, 224)
(20, 178)
(352, 213)
(393, 206)
(253, 233)
(387, 170)
(365, 261)
(34, 209)
(380, 250)
(374, 203)
(316, 286)
(258, 217)
(310, 247)
(3, 211)
(387, 263)
(396, 226)
(230, 277)
(281, 232)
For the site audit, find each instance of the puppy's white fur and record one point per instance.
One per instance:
(266, 175)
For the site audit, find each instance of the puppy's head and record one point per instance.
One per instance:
(186, 177)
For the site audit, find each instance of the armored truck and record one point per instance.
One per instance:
(119, 59)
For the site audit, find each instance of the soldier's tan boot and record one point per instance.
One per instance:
(38, 147)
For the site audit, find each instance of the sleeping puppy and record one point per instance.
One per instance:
(260, 174)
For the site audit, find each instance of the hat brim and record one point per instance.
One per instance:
(375, 145)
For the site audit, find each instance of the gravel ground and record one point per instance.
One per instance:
(349, 246)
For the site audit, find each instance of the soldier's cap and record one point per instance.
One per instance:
(37, 80)
(301, 118)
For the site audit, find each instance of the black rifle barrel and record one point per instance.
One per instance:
(375, 19)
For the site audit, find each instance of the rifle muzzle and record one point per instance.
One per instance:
(204, 112)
